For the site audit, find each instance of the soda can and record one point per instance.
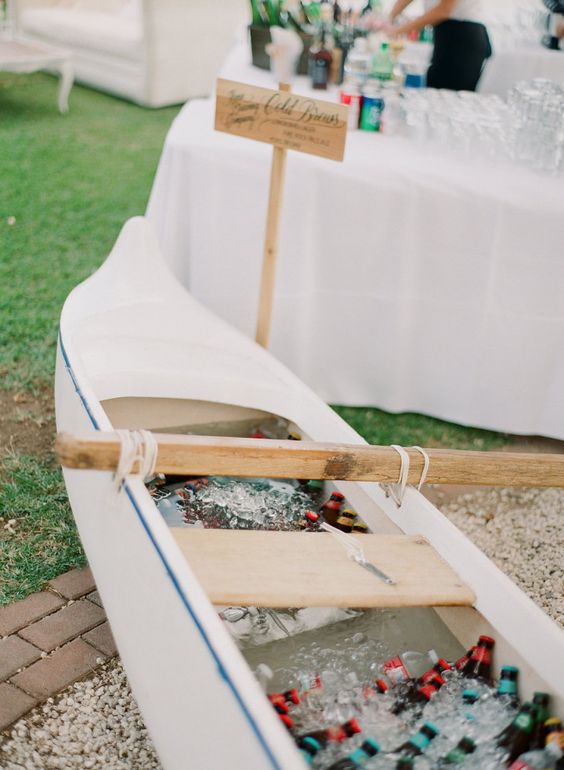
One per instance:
(371, 113)
(351, 96)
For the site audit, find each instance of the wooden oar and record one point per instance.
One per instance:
(220, 456)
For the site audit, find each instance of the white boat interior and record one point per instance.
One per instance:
(136, 351)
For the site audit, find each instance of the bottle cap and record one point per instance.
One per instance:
(312, 516)
(310, 745)
(352, 727)
(486, 640)
(541, 698)
(292, 695)
(470, 696)
(467, 745)
(337, 496)
(381, 686)
(432, 728)
(286, 721)
(371, 747)
(349, 513)
(509, 670)
(315, 483)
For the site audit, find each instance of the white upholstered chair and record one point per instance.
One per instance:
(153, 52)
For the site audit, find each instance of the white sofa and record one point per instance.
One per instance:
(153, 52)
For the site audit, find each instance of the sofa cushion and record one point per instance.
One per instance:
(70, 27)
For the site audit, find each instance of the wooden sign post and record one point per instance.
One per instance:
(289, 122)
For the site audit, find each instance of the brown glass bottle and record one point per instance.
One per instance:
(331, 510)
(516, 738)
(337, 734)
(541, 701)
(418, 696)
(479, 665)
(320, 62)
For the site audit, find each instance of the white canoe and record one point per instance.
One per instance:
(136, 351)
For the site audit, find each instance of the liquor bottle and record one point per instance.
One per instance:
(507, 690)
(331, 510)
(337, 734)
(320, 61)
(549, 758)
(417, 696)
(479, 665)
(458, 754)
(516, 738)
(359, 757)
(383, 64)
(419, 742)
(541, 701)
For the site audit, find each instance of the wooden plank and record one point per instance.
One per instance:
(285, 120)
(270, 254)
(221, 456)
(295, 569)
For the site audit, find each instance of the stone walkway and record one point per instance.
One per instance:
(49, 640)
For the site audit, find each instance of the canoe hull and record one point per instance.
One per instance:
(197, 694)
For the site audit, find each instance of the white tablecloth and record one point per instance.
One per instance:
(508, 67)
(408, 279)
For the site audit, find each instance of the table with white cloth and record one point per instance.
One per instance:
(408, 278)
(507, 67)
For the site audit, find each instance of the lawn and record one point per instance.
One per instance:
(67, 184)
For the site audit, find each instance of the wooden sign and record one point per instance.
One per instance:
(281, 118)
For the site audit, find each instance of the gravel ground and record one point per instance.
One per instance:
(96, 723)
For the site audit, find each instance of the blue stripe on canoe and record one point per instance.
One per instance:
(222, 672)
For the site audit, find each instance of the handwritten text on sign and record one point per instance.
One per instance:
(281, 118)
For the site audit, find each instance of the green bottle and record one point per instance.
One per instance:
(458, 754)
(383, 64)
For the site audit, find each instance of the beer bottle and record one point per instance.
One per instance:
(541, 701)
(337, 734)
(479, 665)
(516, 738)
(553, 731)
(436, 672)
(507, 687)
(310, 520)
(419, 742)
(549, 758)
(360, 527)
(309, 749)
(359, 757)
(288, 697)
(331, 510)
(314, 488)
(418, 696)
(458, 754)
(346, 520)
(461, 662)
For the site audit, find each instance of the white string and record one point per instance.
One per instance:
(137, 447)
(397, 491)
(349, 543)
(355, 551)
(425, 470)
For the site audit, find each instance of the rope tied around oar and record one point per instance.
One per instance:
(397, 491)
(138, 447)
(355, 551)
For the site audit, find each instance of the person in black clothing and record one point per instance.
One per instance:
(461, 45)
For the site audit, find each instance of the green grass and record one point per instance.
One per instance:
(71, 182)
(408, 429)
(44, 542)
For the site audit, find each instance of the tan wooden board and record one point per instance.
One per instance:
(282, 119)
(296, 569)
(223, 456)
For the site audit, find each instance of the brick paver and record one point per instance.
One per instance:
(13, 704)
(15, 654)
(74, 584)
(101, 637)
(19, 614)
(63, 625)
(63, 667)
(95, 597)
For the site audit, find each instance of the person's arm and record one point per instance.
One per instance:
(440, 12)
(399, 6)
